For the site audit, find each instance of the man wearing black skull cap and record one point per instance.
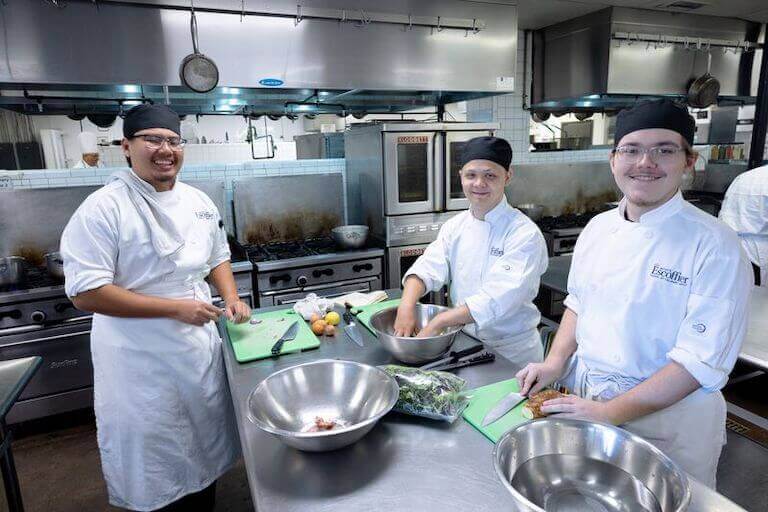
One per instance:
(492, 257)
(657, 302)
(136, 253)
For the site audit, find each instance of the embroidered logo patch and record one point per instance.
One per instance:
(495, 251)
(669, 275)
(205, 214)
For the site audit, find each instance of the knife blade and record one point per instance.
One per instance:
(506, 404)
(354, 334)
(290, 334)
(483, 357)
(453, 357)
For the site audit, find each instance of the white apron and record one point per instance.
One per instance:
(519, 350)
(691, 432)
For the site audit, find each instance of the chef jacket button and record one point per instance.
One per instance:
(648, 235)
(614, 231)
(617, 358)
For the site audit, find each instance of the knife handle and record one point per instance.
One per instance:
(277, 347)
(466, 352)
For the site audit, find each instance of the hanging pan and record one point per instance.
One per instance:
(704, 90)
(197, 71)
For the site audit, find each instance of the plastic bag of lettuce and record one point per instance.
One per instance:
(429, 394)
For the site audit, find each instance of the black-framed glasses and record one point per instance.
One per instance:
(157, 141)
(657, 154)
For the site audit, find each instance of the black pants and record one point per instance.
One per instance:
(201, 501)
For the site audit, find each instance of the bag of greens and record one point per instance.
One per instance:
(430, 394)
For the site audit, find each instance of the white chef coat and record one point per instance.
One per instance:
(745, 209)
(164, 415)
(494, 267)
(672, 287)
(83, 165)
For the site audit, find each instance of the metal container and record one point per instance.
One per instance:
(533, 211)
(566, 464)
(350, 237)
(414, 350)
(54, 264)
(12, 271)
(355, 395)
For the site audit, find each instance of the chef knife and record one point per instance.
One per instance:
(288, 336)
(506, 404)
(452, 357)
(354, 333)
(484, 357)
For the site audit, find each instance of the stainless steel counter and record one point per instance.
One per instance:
(403, 464)
(755, 347)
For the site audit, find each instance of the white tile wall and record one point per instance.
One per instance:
(507, 110)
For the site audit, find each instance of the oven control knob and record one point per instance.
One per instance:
(302, 280)
(37, 316)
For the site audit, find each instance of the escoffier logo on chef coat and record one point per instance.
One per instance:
(205, 215)
(495, 251)
(668, 274)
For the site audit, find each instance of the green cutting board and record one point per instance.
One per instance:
(483, 400)
(364, 313)
(254, 341)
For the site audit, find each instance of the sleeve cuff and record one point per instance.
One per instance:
(711, 379)
(572, 303)
(87, 283)
(481, 310)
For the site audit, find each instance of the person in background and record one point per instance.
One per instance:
(89, 150)
(657, 303)
(136, 254)
(745, 209)
(492, 256)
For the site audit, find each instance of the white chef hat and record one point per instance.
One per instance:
(87, 142)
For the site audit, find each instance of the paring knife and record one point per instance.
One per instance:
(288, 336)
(506, 404)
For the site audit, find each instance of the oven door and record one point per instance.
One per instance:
(452, 151)
(409, 171)
(399, 260)
(328, 291)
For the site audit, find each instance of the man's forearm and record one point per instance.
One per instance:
(564, 344)
(667, 386)
(455, 316)
(113, 300)
(412, 291)
(221, 277)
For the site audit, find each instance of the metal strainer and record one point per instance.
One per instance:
(197, 71)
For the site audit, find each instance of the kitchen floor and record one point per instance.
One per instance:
(62, 455)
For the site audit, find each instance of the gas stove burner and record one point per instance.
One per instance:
(294, 249)
(569, 220)
(35, 278)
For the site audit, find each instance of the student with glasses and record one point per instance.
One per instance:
(657, 302)
(136, 254)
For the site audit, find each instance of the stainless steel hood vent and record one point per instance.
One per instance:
(606, 60)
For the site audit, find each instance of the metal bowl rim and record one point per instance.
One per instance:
(686, 499)
(324, 433)
(453, 330)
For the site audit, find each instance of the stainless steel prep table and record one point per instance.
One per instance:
(404, 463)
(755, 347)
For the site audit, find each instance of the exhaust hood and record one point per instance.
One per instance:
(607, 60)
(332, 56)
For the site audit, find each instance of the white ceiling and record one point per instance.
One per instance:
(540, 13)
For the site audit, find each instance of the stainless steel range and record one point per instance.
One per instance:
(562, 231)
(286, 272)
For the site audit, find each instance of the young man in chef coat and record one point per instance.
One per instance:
(136, 253)
(745, 209)
(492, 257)
(657, 302)
(89, 151)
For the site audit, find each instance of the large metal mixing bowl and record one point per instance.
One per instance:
(414, 350)
(355, 395)
(350, 237)
(574, 465)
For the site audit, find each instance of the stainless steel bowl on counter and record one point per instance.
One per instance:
(567, 464)
(414, 350)
(297, 403)
(13, 271)
(350, 237)
(532, 211)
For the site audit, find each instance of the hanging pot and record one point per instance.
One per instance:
(704, 90)
(583, 116)
(197, 71)
(540, 117)
(102, 120)
(76, 117)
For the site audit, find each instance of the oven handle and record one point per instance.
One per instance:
(319, 286)
(48, 338)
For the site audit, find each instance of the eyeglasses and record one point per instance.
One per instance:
(156, 141)
(657, 154)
